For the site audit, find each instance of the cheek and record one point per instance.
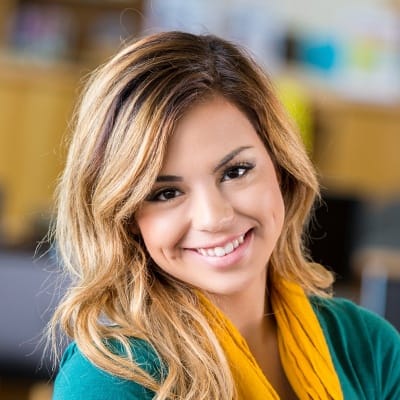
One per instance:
(278, 206)
(279, 211)
(272, 210)
(267, 198)
(151, 230)
(159, 232)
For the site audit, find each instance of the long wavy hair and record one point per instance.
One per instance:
(129, 109)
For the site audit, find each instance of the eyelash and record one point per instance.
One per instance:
(245, 167)
(155, 196)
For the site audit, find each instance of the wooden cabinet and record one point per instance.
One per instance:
(38, 89)
(35, 107)
(357, 148)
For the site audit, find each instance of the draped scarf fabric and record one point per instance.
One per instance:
(303, 350)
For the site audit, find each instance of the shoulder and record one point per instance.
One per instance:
(365, 348)
(78, 378)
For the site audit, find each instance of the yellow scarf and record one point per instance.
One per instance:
(303, 350)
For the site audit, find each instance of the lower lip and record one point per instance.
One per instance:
(230, 259)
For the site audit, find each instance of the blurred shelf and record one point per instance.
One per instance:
(67, 30)
(87, 3)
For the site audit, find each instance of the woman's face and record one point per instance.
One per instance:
(216, 211)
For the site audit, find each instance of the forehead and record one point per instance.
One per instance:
(210, 129)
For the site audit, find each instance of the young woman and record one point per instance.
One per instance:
(181, 214)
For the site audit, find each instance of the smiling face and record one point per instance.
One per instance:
(215, 213)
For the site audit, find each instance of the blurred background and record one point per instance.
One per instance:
(336, 67)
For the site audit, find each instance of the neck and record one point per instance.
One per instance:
(250, 312)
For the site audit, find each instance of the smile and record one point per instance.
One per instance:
(221, 251)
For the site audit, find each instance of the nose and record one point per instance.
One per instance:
(212, 211)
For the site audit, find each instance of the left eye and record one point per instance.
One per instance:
(235, 172)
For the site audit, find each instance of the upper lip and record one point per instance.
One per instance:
(220, 243)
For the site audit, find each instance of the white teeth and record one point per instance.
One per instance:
(228, 248)
(222, 251)
(210, 252)
(219, 251)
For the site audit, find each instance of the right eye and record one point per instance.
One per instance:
(165, 194)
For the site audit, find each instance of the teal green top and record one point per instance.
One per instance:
(364, 347)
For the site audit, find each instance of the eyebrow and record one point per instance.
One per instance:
(169, 178)
(230, 156)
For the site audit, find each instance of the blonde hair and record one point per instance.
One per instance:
(129, 109)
